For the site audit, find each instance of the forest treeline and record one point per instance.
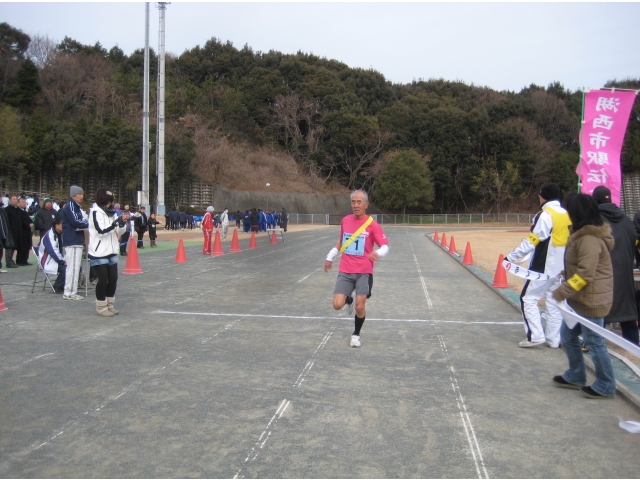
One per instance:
(315, 124)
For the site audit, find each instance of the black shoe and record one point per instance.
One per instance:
(591, 393)
(13, 265)
(123, 254)
(23, 264)
(58, 290)
(561, 382)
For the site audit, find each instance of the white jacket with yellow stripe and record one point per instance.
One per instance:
(547, 240)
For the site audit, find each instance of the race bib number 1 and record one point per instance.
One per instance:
(356, 247)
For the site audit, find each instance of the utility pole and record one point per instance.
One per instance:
(162, 6)
(144, 200)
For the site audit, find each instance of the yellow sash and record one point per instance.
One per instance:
(353, 237)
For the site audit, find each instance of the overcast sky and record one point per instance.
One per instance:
(505, 46)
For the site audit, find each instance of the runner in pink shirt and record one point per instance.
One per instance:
(356, 265)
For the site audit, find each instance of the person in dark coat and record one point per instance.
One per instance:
(255, 220)
(624, 309)
(6, 238)
(284, 219)
(173, 218)
(636, 250)
(153, 234)
(182, 218)
(124, 238)
(45, 217)
(20, 224)
(140, 225)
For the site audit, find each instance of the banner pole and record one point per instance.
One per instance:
(580, 141)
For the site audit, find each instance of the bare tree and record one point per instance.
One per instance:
(62, 83)
(42, 51)
(493, 184)
(356, 157)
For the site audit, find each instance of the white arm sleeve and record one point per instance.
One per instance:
(332, 254)
(383, 250)
(541, 230)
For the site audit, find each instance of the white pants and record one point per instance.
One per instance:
(225, 229)
(532, 292)
(73, 257)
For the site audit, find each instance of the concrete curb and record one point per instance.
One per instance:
(512, 299)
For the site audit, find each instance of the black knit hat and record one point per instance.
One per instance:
(550, 191)
(602, 194)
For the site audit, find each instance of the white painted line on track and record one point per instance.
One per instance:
(424, 284)
(298, 317)
(266, 433)
(304, 278)
(469, 431)
(15, 299)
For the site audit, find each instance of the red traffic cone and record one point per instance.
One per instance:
(133, 262)
(435, 237)
(452, 246)
(252, 243)
(3, 307)
(274, 239)
(235, 243)
(217, 246)
(500, 278)
(181, 257)
(468, 258)
(443, 242)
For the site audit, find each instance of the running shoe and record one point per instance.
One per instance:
(591, 393)
(355, 341)
(527, 344)
(561, 382)
(73, 297)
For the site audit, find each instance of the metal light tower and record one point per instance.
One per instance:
(162, 6)
(145, 116)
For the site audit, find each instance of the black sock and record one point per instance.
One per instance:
(359, 322)
(349, 301)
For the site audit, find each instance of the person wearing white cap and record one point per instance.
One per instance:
(207, 230)
(74, 224)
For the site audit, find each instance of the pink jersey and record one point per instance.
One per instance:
(354, 258)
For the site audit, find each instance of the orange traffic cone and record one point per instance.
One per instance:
(180, 256)
(435, 237)
(3, 307)
(443, 243)
(217, 245)
(468, 258)
(274, 239)
(235, 243)
(452, 246)
(133, 262)
(252, 243)
(500, 278)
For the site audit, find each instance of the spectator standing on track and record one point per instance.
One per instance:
(237, 217)
(104, 228)
(358, 233)
(140, 224)
(246, 221)
(153, 234)
(6, 238)
(19, 223)
(45, 217)
(207, 230)
(50, 253)
(74, 224)
(284, 219)
(624, 309)
(545, 244)
(255, 220)
(173, 218)
(124, 238)
(588, 289)
(182, 218)
(224, 222)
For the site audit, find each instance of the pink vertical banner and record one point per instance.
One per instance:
(606, 114)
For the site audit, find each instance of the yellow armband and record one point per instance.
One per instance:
(534, 239)
(577, 282)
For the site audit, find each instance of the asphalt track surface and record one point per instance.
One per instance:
(237, 366)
